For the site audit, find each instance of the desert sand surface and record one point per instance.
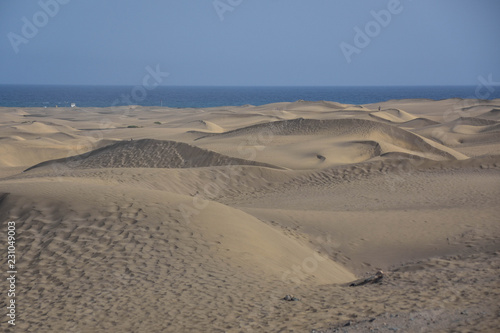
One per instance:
(149, 219)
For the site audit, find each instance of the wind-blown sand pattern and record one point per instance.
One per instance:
(147, 219)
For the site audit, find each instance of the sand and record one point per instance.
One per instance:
(148, 219)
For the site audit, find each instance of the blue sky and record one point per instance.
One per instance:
(250, 42)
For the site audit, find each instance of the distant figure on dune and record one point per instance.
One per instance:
(379, 108)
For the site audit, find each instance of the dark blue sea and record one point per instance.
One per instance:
(203, 97)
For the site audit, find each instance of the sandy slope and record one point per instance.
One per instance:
(147, 153)
(208, 217)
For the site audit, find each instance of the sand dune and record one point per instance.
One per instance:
(39, 150)
(402, 119)
(148, 153)
(418, 123)
(309, 143)
(462, 131)
(210, 127)
(472, 121)
(147, 219)
(13, 138)
(315, 106)
(491, 128)
(36, 127)
(393, 115)
(494, 114)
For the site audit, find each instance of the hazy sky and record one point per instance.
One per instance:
(250, 42)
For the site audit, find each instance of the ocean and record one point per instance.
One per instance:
(204, 97)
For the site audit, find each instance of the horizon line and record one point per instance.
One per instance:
(239, 86)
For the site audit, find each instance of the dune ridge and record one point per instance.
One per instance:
(336, 141)
(147, 153)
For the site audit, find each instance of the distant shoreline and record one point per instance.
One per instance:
(137, 106)
(206, 97)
